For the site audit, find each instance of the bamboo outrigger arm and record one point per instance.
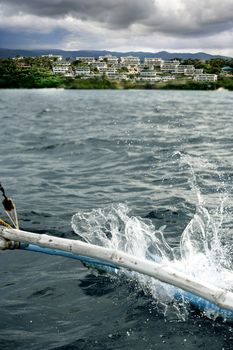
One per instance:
(219, 297)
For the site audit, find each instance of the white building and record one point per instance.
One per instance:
(99, 64)
(61, 68)
(102, 69)
(109, 58)
(130, 60)
(147, 73)
(82, 71)
(156, 62)
(169, 66)
(52, 57)
(185, 69)
(226, 71)
(206, 77)
(63, 64)
(18, 58)
(110, 71)
(87, 60)
(167, 78)
(116, 76)
(198, 71)
(151, 79)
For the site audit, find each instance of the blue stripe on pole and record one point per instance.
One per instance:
(104, 265)
(202, 304)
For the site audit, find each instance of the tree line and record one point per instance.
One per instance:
(36, 72)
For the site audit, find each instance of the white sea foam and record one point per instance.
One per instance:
(204, 251)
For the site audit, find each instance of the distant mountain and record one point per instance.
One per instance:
(10, 53)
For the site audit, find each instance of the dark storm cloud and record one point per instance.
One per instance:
(124, 23)
(180, 17)
(119, 13)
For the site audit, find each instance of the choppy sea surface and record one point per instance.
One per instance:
(130, 166)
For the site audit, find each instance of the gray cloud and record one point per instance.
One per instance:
(125, 23)
(113, 13)
(181, 17)
(191, 17)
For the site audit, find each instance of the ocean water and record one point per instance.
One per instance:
(161, 160)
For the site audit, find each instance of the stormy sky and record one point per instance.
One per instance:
(119, 25)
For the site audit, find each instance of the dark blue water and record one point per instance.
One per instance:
(65, 151)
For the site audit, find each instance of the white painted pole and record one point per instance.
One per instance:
(163, 273)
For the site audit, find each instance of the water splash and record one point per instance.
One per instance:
(113, 227)
(204, 250)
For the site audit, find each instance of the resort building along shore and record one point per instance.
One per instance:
(129, 68)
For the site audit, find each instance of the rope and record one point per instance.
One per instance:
(5, 224)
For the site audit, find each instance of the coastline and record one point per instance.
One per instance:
(47, 72)
(90, 84)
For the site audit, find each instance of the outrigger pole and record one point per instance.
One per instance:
(11, 238)
(204, 296)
